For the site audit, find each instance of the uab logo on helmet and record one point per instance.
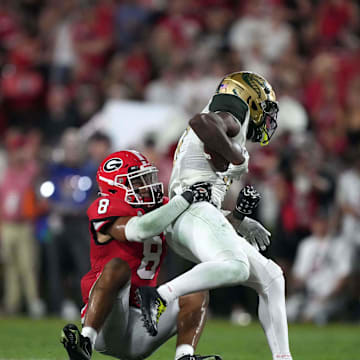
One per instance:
(113, 164)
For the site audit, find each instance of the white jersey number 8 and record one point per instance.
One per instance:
(151, 258)
(103, 206)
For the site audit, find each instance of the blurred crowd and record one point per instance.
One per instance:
(61, 62)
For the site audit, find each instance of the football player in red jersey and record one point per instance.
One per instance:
(127, 248)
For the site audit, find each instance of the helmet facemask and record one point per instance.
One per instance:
(268, 123)
(142, 187)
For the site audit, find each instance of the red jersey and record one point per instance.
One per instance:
(144, 259)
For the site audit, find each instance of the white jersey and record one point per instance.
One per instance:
(191, 165)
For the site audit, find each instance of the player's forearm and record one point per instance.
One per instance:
(213, 133)
(156, 221)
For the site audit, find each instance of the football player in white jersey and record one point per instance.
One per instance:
(212, 149)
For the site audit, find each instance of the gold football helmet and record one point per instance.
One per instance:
(257, 95)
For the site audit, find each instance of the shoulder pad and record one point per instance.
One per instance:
(108, 207)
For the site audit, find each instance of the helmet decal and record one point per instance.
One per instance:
(254, 81)
(139, 156)
(113, 164)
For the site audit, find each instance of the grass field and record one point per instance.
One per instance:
(25, 339)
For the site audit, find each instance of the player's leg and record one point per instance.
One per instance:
(113, 337)
(190, 325)
(190, 322)
(224, 244)
(204, 235)
(186, 316)
(106, 292)
(115, 275)
(267, 279)
(265, 276)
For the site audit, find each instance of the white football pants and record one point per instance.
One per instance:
(203, 235)
(123, 335)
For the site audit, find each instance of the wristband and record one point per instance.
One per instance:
(238, 215)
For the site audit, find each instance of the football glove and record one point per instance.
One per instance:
(200, 191)
(254, 233)
(247, 201)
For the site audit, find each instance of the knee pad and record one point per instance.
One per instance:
(274, 272)
(237, 271)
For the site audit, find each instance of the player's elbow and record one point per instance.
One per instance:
(198, 122)
(237, 154)
(207, 126)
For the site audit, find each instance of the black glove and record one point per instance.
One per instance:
(197, 192)
(247, 201)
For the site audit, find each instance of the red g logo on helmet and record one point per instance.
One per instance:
(112, 164)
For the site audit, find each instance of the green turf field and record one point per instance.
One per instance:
(25, 339)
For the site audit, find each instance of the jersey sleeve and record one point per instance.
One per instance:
(105, 210)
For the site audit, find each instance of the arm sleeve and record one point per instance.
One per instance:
(155, 222)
